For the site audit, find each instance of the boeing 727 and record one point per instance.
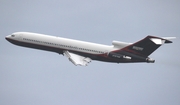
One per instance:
(81, 52)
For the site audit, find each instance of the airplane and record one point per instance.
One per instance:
(82, 52)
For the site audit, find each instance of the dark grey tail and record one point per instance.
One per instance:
(146, 46)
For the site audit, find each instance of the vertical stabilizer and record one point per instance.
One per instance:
(146, 46)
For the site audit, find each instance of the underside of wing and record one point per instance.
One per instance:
(77, 59)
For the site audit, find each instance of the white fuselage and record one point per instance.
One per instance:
(59, 44)
(81, 52)
(66, 44)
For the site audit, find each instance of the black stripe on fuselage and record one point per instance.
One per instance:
(99, 57)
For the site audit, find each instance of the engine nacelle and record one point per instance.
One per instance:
(115, 55)
(119, 44)
(118, 56)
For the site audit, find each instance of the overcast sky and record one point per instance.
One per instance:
(35, 77)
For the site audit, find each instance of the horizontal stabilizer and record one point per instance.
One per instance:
(169, 38)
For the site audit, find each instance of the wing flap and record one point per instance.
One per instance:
(77, 59)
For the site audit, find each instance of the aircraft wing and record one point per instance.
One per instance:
(77, 59)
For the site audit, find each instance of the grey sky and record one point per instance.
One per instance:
(35, 77)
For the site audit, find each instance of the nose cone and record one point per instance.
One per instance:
(8, 37)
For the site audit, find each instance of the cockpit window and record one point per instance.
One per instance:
(13, 35)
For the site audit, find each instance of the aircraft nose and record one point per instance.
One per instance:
(7, 37)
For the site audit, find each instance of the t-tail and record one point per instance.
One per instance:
(143, 48)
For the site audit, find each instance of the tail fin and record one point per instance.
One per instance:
(147, 45)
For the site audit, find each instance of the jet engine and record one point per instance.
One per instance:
(118, 56)
(115, 55)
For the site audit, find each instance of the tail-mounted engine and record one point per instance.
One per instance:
(130, 58)
(118, 56)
